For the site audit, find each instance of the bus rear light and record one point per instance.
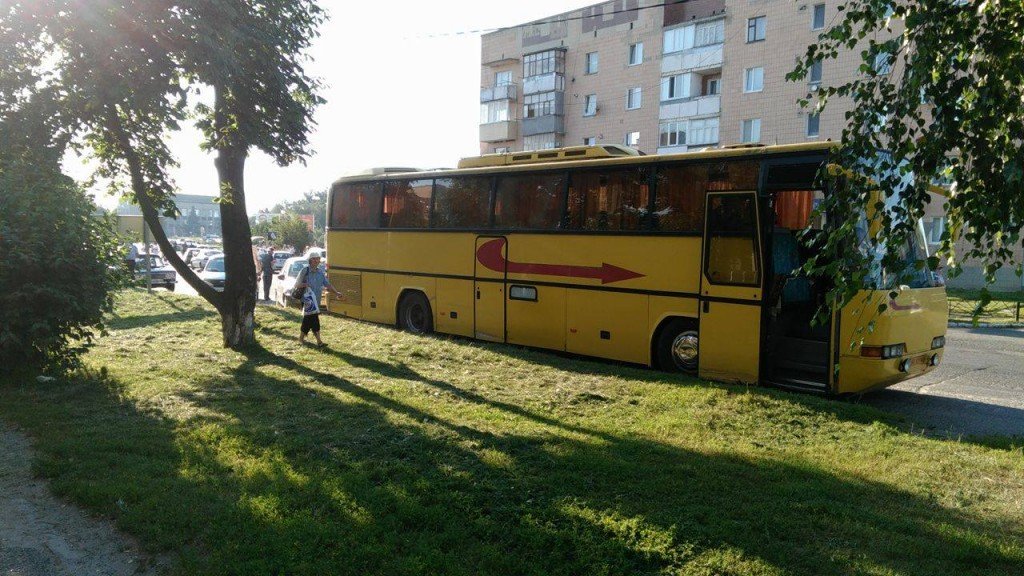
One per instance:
(883, 352)
(938, 342)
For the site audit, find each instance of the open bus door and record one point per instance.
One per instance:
(731, 288)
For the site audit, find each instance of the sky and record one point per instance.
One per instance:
(402, 89)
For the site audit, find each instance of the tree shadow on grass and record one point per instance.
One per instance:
(280, 468)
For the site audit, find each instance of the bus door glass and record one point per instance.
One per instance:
(489, 276)
(731, 288)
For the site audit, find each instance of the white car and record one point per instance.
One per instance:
(200, 260)
(213, 274)
(285, 280)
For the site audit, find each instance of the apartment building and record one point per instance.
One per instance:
(661, 77)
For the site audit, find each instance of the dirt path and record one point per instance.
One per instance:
(42, 536)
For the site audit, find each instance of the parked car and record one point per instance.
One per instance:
(163, 274)
(200, 260)
(279, 260)
(286, 279)
(213, 273)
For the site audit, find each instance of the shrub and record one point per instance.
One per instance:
(59, 262)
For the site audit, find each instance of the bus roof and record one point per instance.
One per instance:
(592, 156)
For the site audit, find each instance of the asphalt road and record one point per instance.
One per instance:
(978, 389)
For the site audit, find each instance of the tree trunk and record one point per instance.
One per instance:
(239, 298)
(150, 214)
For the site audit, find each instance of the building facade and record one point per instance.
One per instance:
(665, 78)
(200, 216)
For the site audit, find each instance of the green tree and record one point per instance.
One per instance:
(313, 202)
(940, 91)
(59, 260)
(288, 230)
(126, 73)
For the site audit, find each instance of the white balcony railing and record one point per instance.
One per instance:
(702, 58)
(700, 106)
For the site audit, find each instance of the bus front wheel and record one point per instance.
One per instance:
(414, 314)
(678, 346)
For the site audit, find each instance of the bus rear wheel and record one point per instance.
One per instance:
(414, 314)
(678, 347)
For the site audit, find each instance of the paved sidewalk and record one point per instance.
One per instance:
(42, 536)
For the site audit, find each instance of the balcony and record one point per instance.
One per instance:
(503, 92)
(543, 83)
(498, 131)
(543, 125)
(694, 59)
(700, 106)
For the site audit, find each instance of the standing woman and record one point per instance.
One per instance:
(315, 279)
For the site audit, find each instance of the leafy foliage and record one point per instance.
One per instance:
(123, 74)
(289, 230)
(59, 261)
(313, 202)
(940, 91)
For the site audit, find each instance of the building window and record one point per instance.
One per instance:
(503, 78)
(502, 150)
(883, 63)
(536, 105)
(753, 79)
(541, 63)
(678, 86)
(591, 63)
(712, 85)
(589, 141)
(632, 139)
(815, 75)
(590, 105)
(678, 39)
(709, 33)
(634, 98)
(755, 29)
(702, 132)
(636, 53)
(813, 124)
(818, 17)
(496, 111)
(751, 131)
(541, 142)
(672, 134)
(693, 35)
(934, 229)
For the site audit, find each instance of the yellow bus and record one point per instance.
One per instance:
(682, 262)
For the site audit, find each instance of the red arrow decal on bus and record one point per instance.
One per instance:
(489, 254)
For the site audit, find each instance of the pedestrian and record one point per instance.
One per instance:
(131, 257)
(313, 278)
(267, 265)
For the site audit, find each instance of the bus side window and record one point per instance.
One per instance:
(732, 240)
(356, 205)
(679, 198)
(612, 200)
(462, 202)
(529, 201)
(406, 203)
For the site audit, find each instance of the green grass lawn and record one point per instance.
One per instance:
(395, 454)
(1003, 308)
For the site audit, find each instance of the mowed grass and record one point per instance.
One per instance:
(395, 454)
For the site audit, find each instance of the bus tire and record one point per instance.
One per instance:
(677, 347)
(414, 314)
